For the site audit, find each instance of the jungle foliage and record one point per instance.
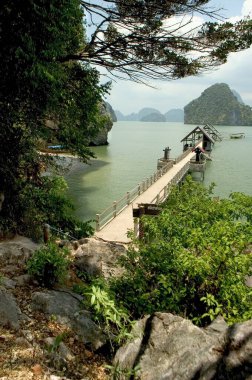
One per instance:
(42, 99)
(193, 260)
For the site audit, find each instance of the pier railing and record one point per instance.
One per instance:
(164, 193)
(118, 206)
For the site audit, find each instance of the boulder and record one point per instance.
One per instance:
(67, 308)
(15, 252)
(97, 257)
(10, 314)
(168, 347)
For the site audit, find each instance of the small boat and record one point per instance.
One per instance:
(237, 135)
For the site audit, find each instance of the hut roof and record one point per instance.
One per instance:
(199, 129)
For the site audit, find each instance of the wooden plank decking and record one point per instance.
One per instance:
(117, 228)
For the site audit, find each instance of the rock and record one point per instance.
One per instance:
(248, 281)
(16, 252)
(10, 313)
(23, 280)
(102, 137)
(7, 283)
(20, 341)
(67, 308)
(10, 270)
(96, 257)
(170, 347)
(58, 354)
(27, 334)
(54, 377)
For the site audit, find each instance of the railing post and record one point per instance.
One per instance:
(136, 226)
(128, 197)
(139, 188)
(114, 208)
(158, 197)
(97, 222)
(165, 192)
(46, 233)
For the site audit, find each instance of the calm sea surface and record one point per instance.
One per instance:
(132, 154)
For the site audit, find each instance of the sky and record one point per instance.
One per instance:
(129, 97)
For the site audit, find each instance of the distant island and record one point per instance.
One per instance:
(218, 105)
(152, 114)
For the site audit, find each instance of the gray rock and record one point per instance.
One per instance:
(23, 279)
(27, 334)
(21, 341)
(97, 257)
(58, 354)
(16, 251)
(67, 308)
(170, 347)
(102, 137)
(248, 281)
(10, 314)
(7, 283)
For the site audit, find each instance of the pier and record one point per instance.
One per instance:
(114, 223)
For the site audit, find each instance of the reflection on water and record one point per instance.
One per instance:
(132, 154)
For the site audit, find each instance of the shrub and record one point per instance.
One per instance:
(49, 265)
(39, 203)
(193, 260)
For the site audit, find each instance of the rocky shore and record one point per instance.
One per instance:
(48, 335)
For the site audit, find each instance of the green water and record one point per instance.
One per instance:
(132, 154)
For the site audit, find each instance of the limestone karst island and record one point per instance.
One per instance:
(125, 190)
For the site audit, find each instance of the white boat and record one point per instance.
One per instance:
(237, 135)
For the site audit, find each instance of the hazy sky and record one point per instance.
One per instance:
(131, 97)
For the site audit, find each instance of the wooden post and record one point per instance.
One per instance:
(97, 222)
(141, 229)
(139, 189)
(46, 233)
(165, 192)
(128, 197)
(114, 208)
(136, 226)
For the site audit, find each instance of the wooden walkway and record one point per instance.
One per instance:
(117, 228)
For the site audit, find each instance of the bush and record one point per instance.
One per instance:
(193, 260)
(49, 265)
(47, 203)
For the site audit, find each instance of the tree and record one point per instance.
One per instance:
(193, 260)
(36, 87)
(153, 39)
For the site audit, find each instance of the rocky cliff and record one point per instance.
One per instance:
(102, 136)
(218, 105)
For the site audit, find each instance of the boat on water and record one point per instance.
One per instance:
(237, 135)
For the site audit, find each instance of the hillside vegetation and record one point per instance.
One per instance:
(218, 105)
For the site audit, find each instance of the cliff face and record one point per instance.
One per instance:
(102, 137)
(219, 106)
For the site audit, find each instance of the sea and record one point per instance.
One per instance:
(131, 156)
